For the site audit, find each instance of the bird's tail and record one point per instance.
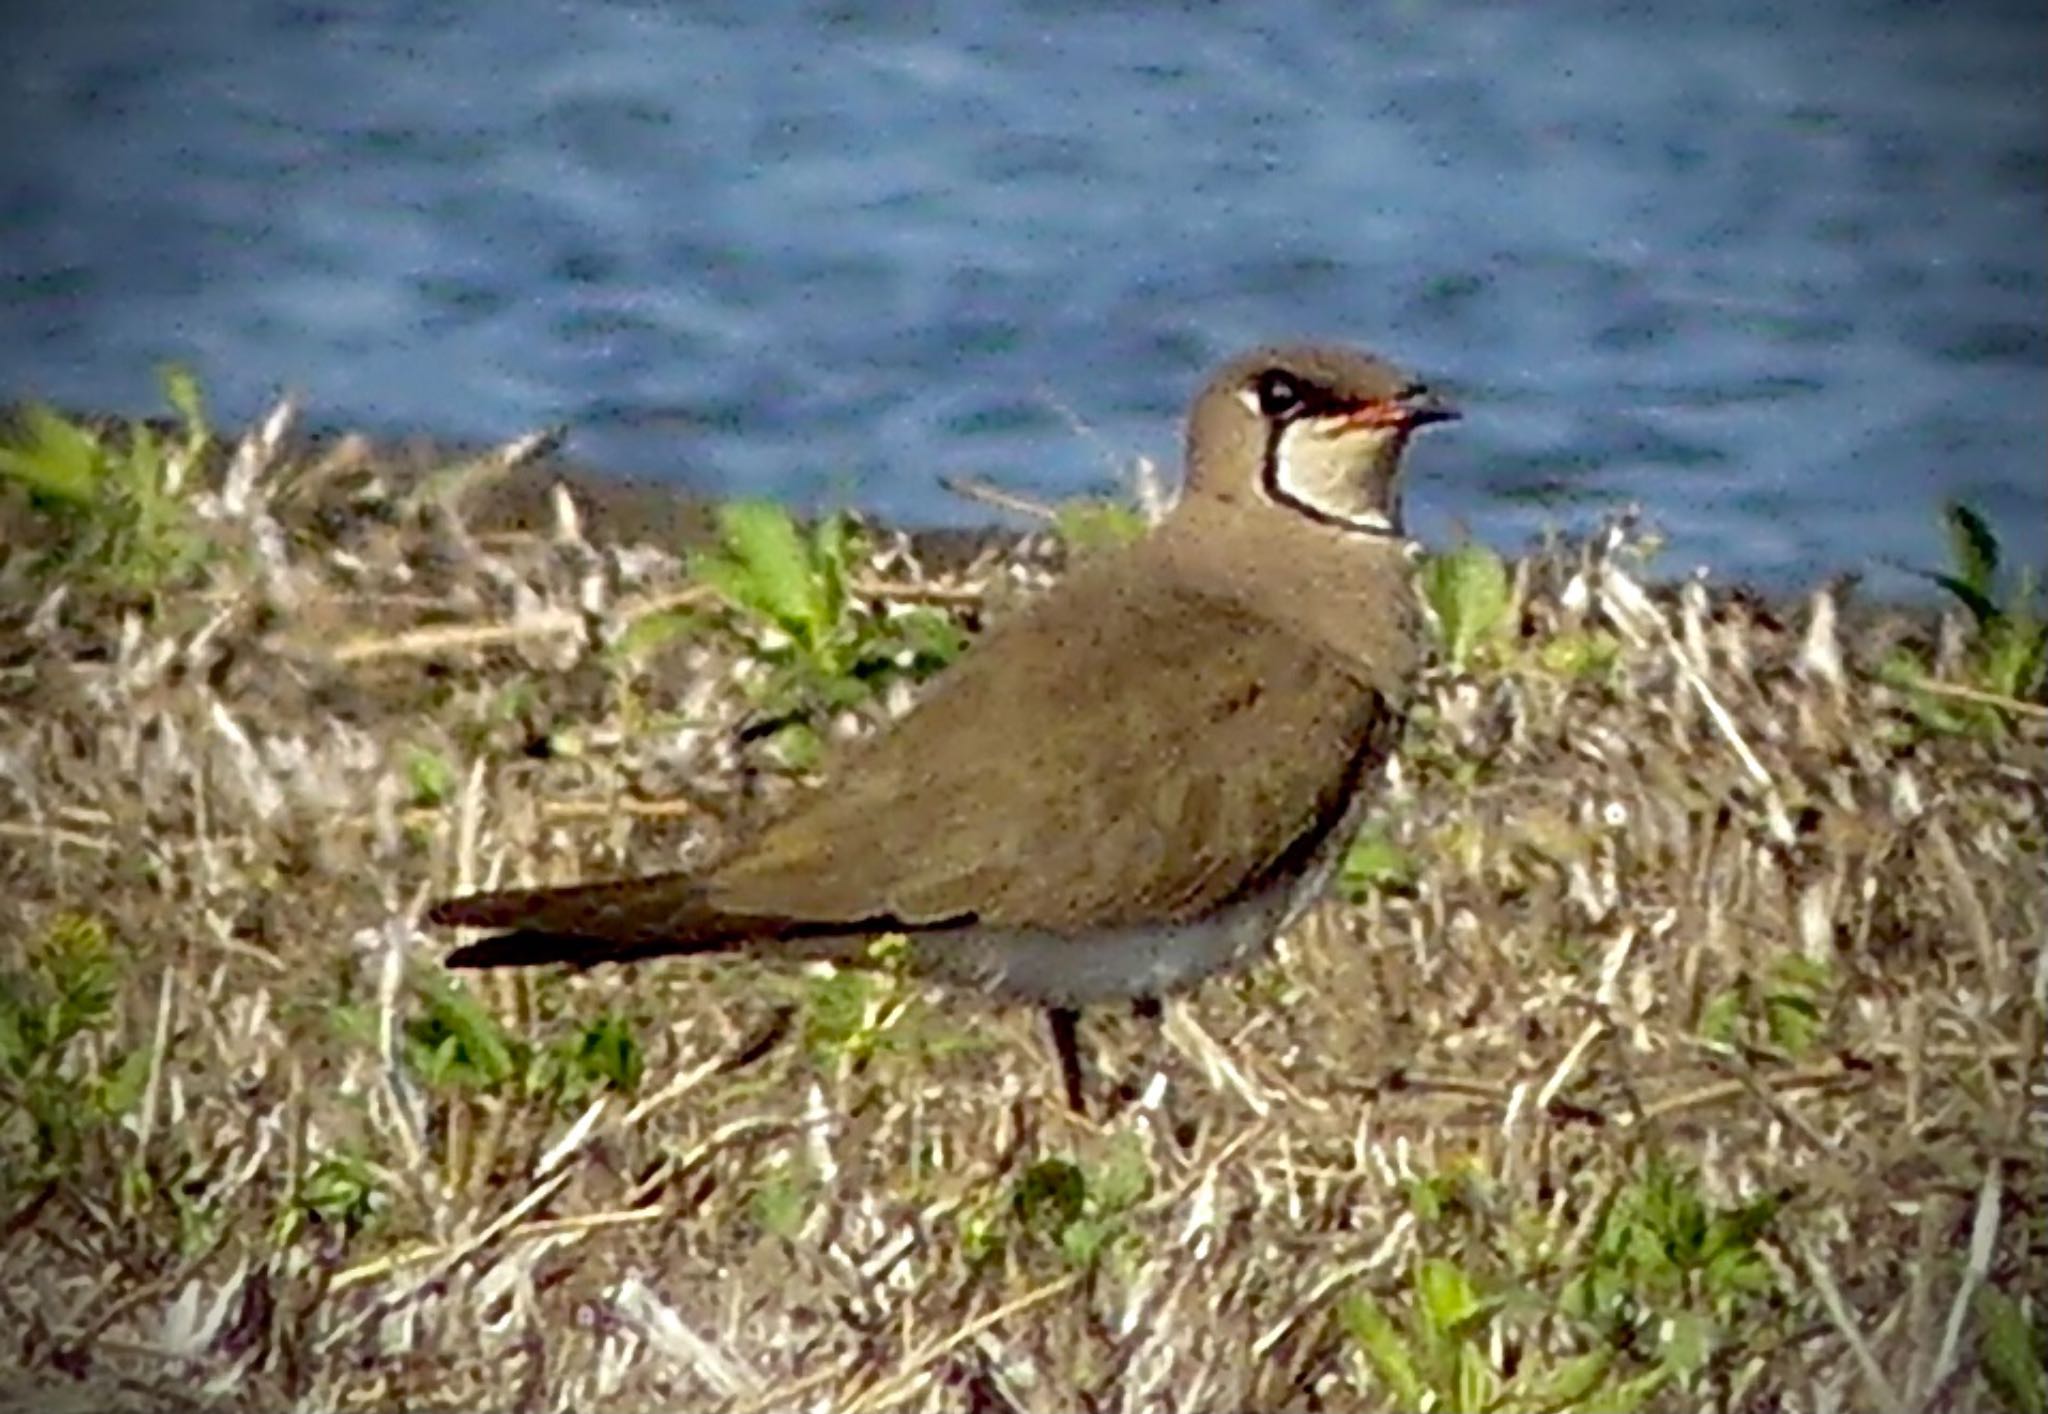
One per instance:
(661, 916)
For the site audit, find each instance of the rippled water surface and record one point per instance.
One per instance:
(1775, 271)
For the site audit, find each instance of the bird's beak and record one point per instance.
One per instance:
(1418, 407)
(1422, 407)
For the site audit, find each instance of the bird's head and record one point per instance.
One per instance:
(1309, 429)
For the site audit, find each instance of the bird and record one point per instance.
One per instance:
(1134, 781)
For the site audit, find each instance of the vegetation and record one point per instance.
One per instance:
(1675, 1041)
(823, 649)
(1088, 526)
(62, 991)
(122, 505)
(2006, 656)
(1467, 592)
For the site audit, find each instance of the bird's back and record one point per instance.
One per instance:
(1014, 793)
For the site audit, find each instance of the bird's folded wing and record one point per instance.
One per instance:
(1128, 754)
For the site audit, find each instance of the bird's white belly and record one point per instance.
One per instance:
(1112, 965)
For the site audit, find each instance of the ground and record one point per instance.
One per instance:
(1673, 1038)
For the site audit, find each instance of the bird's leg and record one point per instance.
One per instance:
(1065, 1020)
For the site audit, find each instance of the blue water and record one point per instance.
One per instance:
(1774, 271)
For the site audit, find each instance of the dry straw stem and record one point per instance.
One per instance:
(1963, 692)
(434, 640)
(988, 493)
(1716, 903)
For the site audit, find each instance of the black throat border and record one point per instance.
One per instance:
(1269, 481)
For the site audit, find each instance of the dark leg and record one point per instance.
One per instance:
(1147, 1008)
(1065, 1020)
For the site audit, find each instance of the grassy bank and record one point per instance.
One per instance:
(1676, 1041)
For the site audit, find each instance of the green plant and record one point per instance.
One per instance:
(2008, 653)
(1375, 864)
(1470, 598)
(1436, 1350)
(849, 1014)
(1460, 1191)
(824, 648)
(428, 776)
(783, 1199)
(1649, 1287)
(1787, 1009)
(2012, 1352)
(603, 1054)
(119, 502)
(1585, 654)
(1671, 1271)
(64, 990)
(1088, 525)
(1083, 1212)
(341, 1190)
(453, 1043)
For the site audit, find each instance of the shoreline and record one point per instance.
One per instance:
(642, 508)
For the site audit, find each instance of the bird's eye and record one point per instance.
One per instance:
(1280, 393)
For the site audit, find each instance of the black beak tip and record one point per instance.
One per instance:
(1424, 408)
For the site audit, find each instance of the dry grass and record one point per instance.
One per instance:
(1666, 890)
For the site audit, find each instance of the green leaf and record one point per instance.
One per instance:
(1082, 1241)
(1050, 1195)
(120, 1090)
(931, 639)
(16, 1049)
(1978, 601)
(1794, 1022)
(1449, 1300)
(136, 1188)
(181, 391)
(798, 746)
(1574, 654)
(1721, 1017)
(780, 1204)
(1393, 1359)
(1568, 1385)
(340, 1188)
(1375, 864)
(2014, 651)
(1973, 549)
(140, 470)
(76, 963)
(772, 573)
(1794, 1015)
(835, 546)
(429, 776)
(1688, 1340)
(1467, 588)
(458, 1042)
(602, 1053)
(1474, 1385)
(2012, 1353)
(1089, 526)
(54, 459)
(354, 1023)
(836, 1012)
(1431, 1197)
(1123, 1178)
